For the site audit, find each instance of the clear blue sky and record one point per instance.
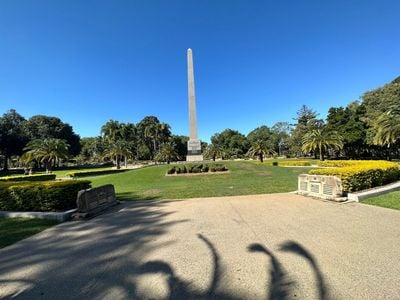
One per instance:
(256, 62)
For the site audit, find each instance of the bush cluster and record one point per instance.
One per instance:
(11, 172)
(37, 177)
(362, 174)
(196, 168)
(40, 196)
(94, 173)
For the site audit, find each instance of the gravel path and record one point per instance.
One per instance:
(278, 246)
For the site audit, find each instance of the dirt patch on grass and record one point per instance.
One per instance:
(151, 192)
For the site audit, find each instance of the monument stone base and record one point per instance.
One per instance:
(194, 158)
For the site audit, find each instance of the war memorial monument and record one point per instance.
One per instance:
(194, 145)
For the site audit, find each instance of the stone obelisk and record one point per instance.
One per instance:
(194, 145)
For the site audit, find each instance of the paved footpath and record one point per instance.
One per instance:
(279, 246)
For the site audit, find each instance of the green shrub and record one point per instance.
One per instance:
(196, 169)
(220, 168)
(94, 173)
(37, 177)
(360, 175)
(11, 172)
(171, 170)
(40, 196)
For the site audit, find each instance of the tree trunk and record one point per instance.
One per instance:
(261, 157)
(321, 154)
(214, 157)
(117, 162)
(126, 161)
(5, 166)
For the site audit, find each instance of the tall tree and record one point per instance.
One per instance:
(321, 139)
(12, 135)
(265, 135)
(233, 143)
(167, 152)
(44, 127)
(260, 149)
(348, 121)
(180, 142)
(117, 150)
(47, 151)
(112, 131)
(213, 151)
(388, 126)
(377, 102)
(306, 121)
(92, 149)
(152, 134)
(281, 134)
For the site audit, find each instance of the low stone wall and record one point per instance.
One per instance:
(92, 201)
(321, 186)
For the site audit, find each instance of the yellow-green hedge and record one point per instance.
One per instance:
(36, 177)
(40, 196)
(359, 175)
(95, 172)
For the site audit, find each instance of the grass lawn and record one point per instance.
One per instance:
(390, 200)
(244, 178)
(15, 229)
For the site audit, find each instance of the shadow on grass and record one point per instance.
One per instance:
(129, 196)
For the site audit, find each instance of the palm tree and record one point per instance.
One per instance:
(260, 148)
(388, 125)
(47, 151)
(167, 152)
(117, 150)
(151, 132)
(213, 151)
(111, 131)
(321, 139)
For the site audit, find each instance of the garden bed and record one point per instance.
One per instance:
(199, 169)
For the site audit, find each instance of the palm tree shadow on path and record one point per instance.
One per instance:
(296, 248)
(180, 289)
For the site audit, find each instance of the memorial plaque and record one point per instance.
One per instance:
(327, 187)
(92, 201)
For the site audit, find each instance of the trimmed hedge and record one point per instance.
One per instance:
(11, 172)
(360, 175)
(37, 177)
(197, 168)
(94, 173)
(346, 163)
(289, 163)
(40, 196)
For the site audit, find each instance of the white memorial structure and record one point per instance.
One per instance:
(194, 145)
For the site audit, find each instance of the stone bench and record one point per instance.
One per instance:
(91, 202)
